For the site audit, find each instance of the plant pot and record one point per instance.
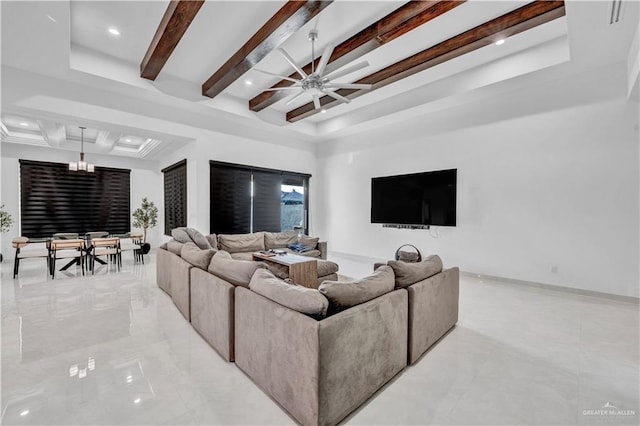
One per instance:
(145, 248)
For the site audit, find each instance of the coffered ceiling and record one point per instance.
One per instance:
(204, 56)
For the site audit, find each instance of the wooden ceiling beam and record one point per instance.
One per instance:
(174, 24)
(402, 20)
(289, 19)
(517, 21)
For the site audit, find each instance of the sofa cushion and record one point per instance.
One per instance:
(274, 240)
(309, 242)
(301, 299)
(242, 255)
(163, 246)
(343, 295)
(411, 273)
(180, 235)
(175, 247)
(196, 256)
(237, 272)
(234, 243)
(199, 239)
(326, 267)
(213, 240)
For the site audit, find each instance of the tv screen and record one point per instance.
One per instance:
(417, 199)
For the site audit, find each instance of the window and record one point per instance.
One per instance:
(250, 199)
(54, 199)
(175, 196)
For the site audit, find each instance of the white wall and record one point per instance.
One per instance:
(551, 190)
(146, 181)
(209, 145)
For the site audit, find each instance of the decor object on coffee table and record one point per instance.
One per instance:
(145, 216)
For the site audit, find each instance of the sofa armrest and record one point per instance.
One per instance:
(180, 273)
(322, 246)
(361, 349)
(433, 310)
(320, 371)
(212, 305)
(278, 349)
(163, 270)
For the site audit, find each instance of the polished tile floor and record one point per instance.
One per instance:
(112, 349)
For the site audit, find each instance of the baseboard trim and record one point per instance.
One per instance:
(357, 257)
(553, 287)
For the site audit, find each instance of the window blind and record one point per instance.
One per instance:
(234, 208)
(175, 196)
(54, 199)
(230, 200)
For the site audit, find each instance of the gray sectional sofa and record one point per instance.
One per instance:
(186, 273)
(320, 353)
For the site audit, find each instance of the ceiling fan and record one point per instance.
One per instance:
(316, 83)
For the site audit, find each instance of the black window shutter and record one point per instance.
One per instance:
(54, 199)
(230, 200)
(175, 196)
(267, 191)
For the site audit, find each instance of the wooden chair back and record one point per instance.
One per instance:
(105, 242)
(67, 244)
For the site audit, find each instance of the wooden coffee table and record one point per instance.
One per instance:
(302, 270)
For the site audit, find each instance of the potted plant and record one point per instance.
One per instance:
(145, 217)
(5, 223)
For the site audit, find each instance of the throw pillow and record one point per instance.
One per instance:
(234, 243)
(180, 235)
(213, 240)
(237, 272)
(196, 256)
(273, 240)
(301, 299)
(343, 295)
(411, 273)
(175, 247)
(198, 238)
(309, 242)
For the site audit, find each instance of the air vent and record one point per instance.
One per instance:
(615, 14)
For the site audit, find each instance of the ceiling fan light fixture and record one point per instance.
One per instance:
(317, 83)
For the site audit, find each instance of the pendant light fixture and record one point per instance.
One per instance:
(81, 165)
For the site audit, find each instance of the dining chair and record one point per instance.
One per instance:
(65, 236)
(33, 250)
(132, 242)
(67, 249)
(109, 247)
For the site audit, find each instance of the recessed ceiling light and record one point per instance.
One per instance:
(248, 82)
(500, 42)
(127, 140)
(24, 413)
(323, 111)
(24, 124)
(114, 31)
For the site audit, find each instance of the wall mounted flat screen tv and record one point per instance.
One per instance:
(416, 199)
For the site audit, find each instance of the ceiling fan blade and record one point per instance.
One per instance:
(348, 86)
(276, 75)
(316, 102)
(337, 97)
(348, 70)
(296, 96)
(275, 89)
(324, 60)
(292, 63)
